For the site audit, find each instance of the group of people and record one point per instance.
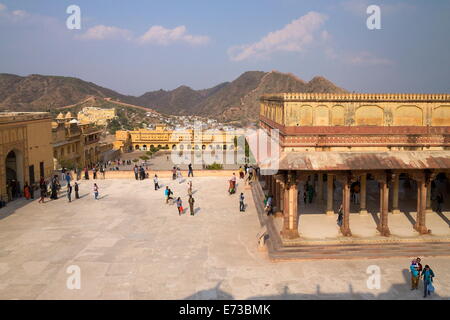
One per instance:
(176, 174)
(427, 275)
(139, 172)
(168, 194)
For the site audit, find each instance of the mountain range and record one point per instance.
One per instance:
(229, 101)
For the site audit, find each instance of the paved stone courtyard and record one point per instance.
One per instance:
(131, 245)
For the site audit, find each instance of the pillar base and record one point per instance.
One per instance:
(384, 231)
(346, 232)
(429, 210)
(363, 212)
(289, 234)
(421, 229)
(396, 211)
(330, 213)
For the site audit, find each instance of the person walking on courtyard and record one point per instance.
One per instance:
(190, 171)
(86, 173)
(179, 176)
(356, 191)
(191, 205)
(179, 206)
(69, 192)
(94, 173)
(67, 177)
(440, 201)
(241, 173)
(414, 275)
(155, 181)
(190, 188)
(241, 202)
(63, 174)
(427, 276)
(26, 191)
(95, 191)
(102, 171)
(77, 195)
(174, 173)
(43, 193)
(232, 188)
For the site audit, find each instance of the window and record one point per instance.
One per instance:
(41, 169)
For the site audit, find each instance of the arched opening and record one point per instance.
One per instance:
(14, 173)
(137, 147)
(174, 147)
(144, 147)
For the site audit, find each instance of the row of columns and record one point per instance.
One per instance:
(284, 190)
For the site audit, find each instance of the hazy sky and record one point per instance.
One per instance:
(138, 46)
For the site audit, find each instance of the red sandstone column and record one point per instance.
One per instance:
(290, 222)
(421, 206)
(384, 201)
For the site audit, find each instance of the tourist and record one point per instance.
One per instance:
(95, 191)
(174, 173)
(166, 194)
(43, 193)
(68, 177)
(77, 195)
(356, 191)
(69, 192)
(86, 173)
(94, 173)
(179, 176)
(440, 201)
(155, 181)
(232, 188)
(102, 171)
(427, 276)
(190, 171)
(340, 218)
(191, 205)
(419, 265)
(54, 189)
(136, 172)
(414, 275)
(179, 206)
(269, 207)
(26, 191)
(63, 173)
(241, 202)
(190, 188)
(241, 173)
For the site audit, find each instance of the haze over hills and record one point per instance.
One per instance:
(229, 101)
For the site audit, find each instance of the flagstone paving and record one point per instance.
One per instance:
(130, 244)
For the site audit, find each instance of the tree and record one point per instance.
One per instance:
(145, 158)
(135, 160)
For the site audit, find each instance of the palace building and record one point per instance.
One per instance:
(25, 150)
(341, 141)
(75, 143)
(185, 139)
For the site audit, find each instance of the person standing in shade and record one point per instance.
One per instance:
(86, 173)
(77, 195)
(26, 191)
(340, 216)
(174, 173)
(427, 275)
(95, 191)
(102, 171)
(190, 188)
(190, 171)
(94, 173)
(179, 206)
(69, 192)
(191, 205)
(241, 203)
(155, 181)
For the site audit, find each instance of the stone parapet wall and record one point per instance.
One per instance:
(163, 174)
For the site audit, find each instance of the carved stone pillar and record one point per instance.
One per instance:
(290, 214)
(363, 191)
(383, 180)
(421, 180)
(395, 185)
(330, 191)
(345, 227)
(428, 202)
